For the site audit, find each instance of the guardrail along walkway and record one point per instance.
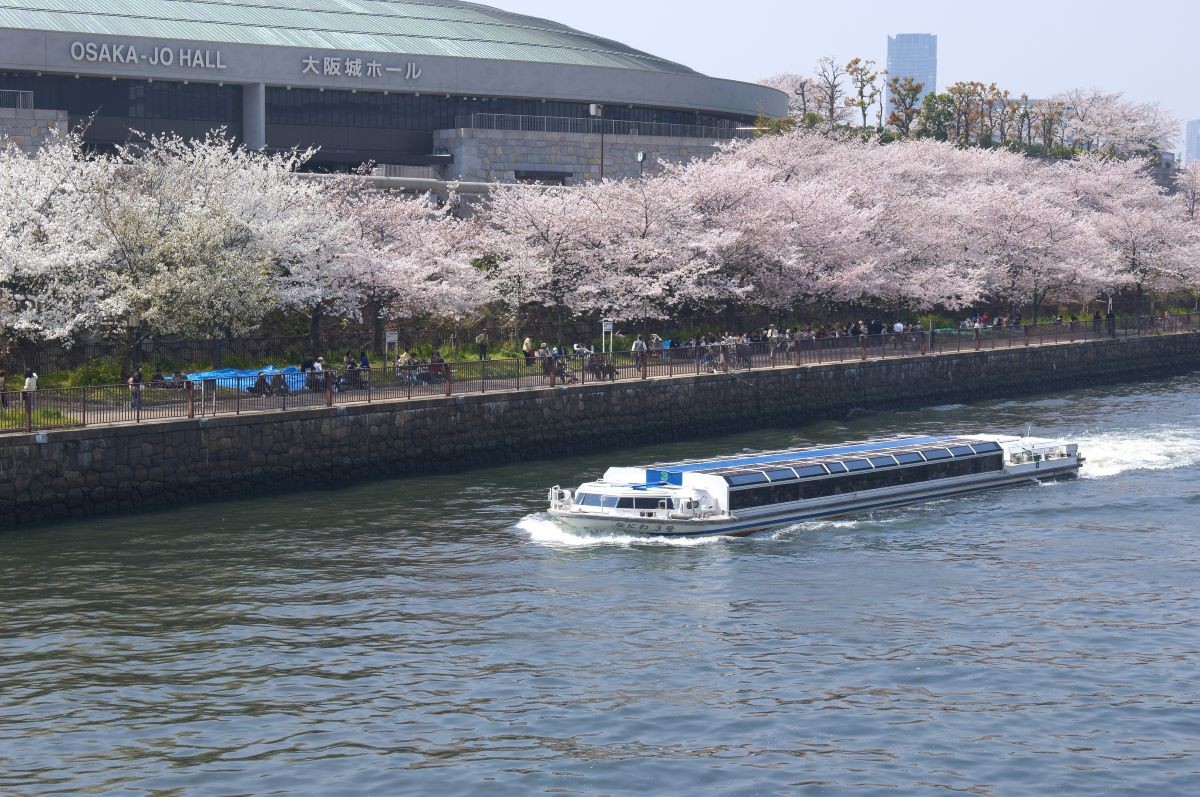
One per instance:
(67, 408)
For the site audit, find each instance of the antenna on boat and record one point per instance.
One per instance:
(1028, 429)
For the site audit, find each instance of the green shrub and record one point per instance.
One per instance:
(14, 417)
(97, 371)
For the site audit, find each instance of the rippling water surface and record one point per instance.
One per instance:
(439, 636)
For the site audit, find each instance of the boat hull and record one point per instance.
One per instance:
(745, 525)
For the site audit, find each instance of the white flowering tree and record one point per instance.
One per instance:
(199, 236)
(51, 285)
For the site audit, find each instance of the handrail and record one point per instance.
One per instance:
(12, 98)
(584, 125)
(66, 408)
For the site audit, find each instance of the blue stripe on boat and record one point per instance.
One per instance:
(766, 459)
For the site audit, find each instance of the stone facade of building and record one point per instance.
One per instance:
(30, 128)
(506, 156)
(58, 475)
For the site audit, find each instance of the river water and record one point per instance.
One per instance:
(439, 636)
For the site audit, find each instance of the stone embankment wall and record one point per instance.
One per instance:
(110, 469)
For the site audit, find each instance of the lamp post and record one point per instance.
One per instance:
(596, 109)
(641, 161)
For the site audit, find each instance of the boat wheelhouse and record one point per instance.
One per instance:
(745, 494)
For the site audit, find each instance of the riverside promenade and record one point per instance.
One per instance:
(159, 462)
(273, 392)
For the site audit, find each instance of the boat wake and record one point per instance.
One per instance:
(1110, 454)
(544, 531)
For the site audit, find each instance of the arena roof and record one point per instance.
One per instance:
(445, 28)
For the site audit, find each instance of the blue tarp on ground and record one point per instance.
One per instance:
(234, 379)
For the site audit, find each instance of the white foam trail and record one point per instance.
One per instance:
(1153, 449)
(545, 531)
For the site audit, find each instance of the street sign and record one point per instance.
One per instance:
(392, 338)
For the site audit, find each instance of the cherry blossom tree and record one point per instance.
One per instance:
(405, 255)
(1147, 239)
(195, 234)
(534, 244)
(50, 276)
(1097, 121)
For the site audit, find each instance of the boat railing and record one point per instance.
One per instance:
(560, 499)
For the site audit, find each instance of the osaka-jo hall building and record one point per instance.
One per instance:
(434, 90)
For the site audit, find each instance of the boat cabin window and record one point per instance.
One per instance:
(648, 503)
(587, 499)
(739, 479)
(909, 459)
(932, 454)
(893, 476)
(883, 462)
(809, 471)
(854, 465)
(835, 467)
(781, 475)
(962, 451)
(986, 448)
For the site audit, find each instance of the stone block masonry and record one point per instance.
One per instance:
(503, 155)
(29, 129)
(74, 474)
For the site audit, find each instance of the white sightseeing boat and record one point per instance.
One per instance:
(745, 494)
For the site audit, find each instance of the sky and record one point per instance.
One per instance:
(1146, 50)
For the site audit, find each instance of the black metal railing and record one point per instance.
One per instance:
(161, 400)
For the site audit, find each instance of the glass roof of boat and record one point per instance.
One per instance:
(772, 467)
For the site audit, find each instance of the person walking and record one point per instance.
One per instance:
(135, 389)
(639, 351)
(529, 352)
(481, 344)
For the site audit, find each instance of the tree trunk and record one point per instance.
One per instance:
(217, 349)
(377, 326)
(314, 331)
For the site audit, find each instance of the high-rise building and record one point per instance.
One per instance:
(912, 55)
(1192, 144)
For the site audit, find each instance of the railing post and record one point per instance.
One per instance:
(237, 390)
(862, 346)
(553, 370)
(27, 400)
(448, 377)
(190, 388)
(83, 406)
(645, 364)
(483, 376)
(978, 338)
(328, 376)
(368, 370)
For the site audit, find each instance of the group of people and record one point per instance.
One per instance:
(31, 380)
(420, 371)
(318, 376)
